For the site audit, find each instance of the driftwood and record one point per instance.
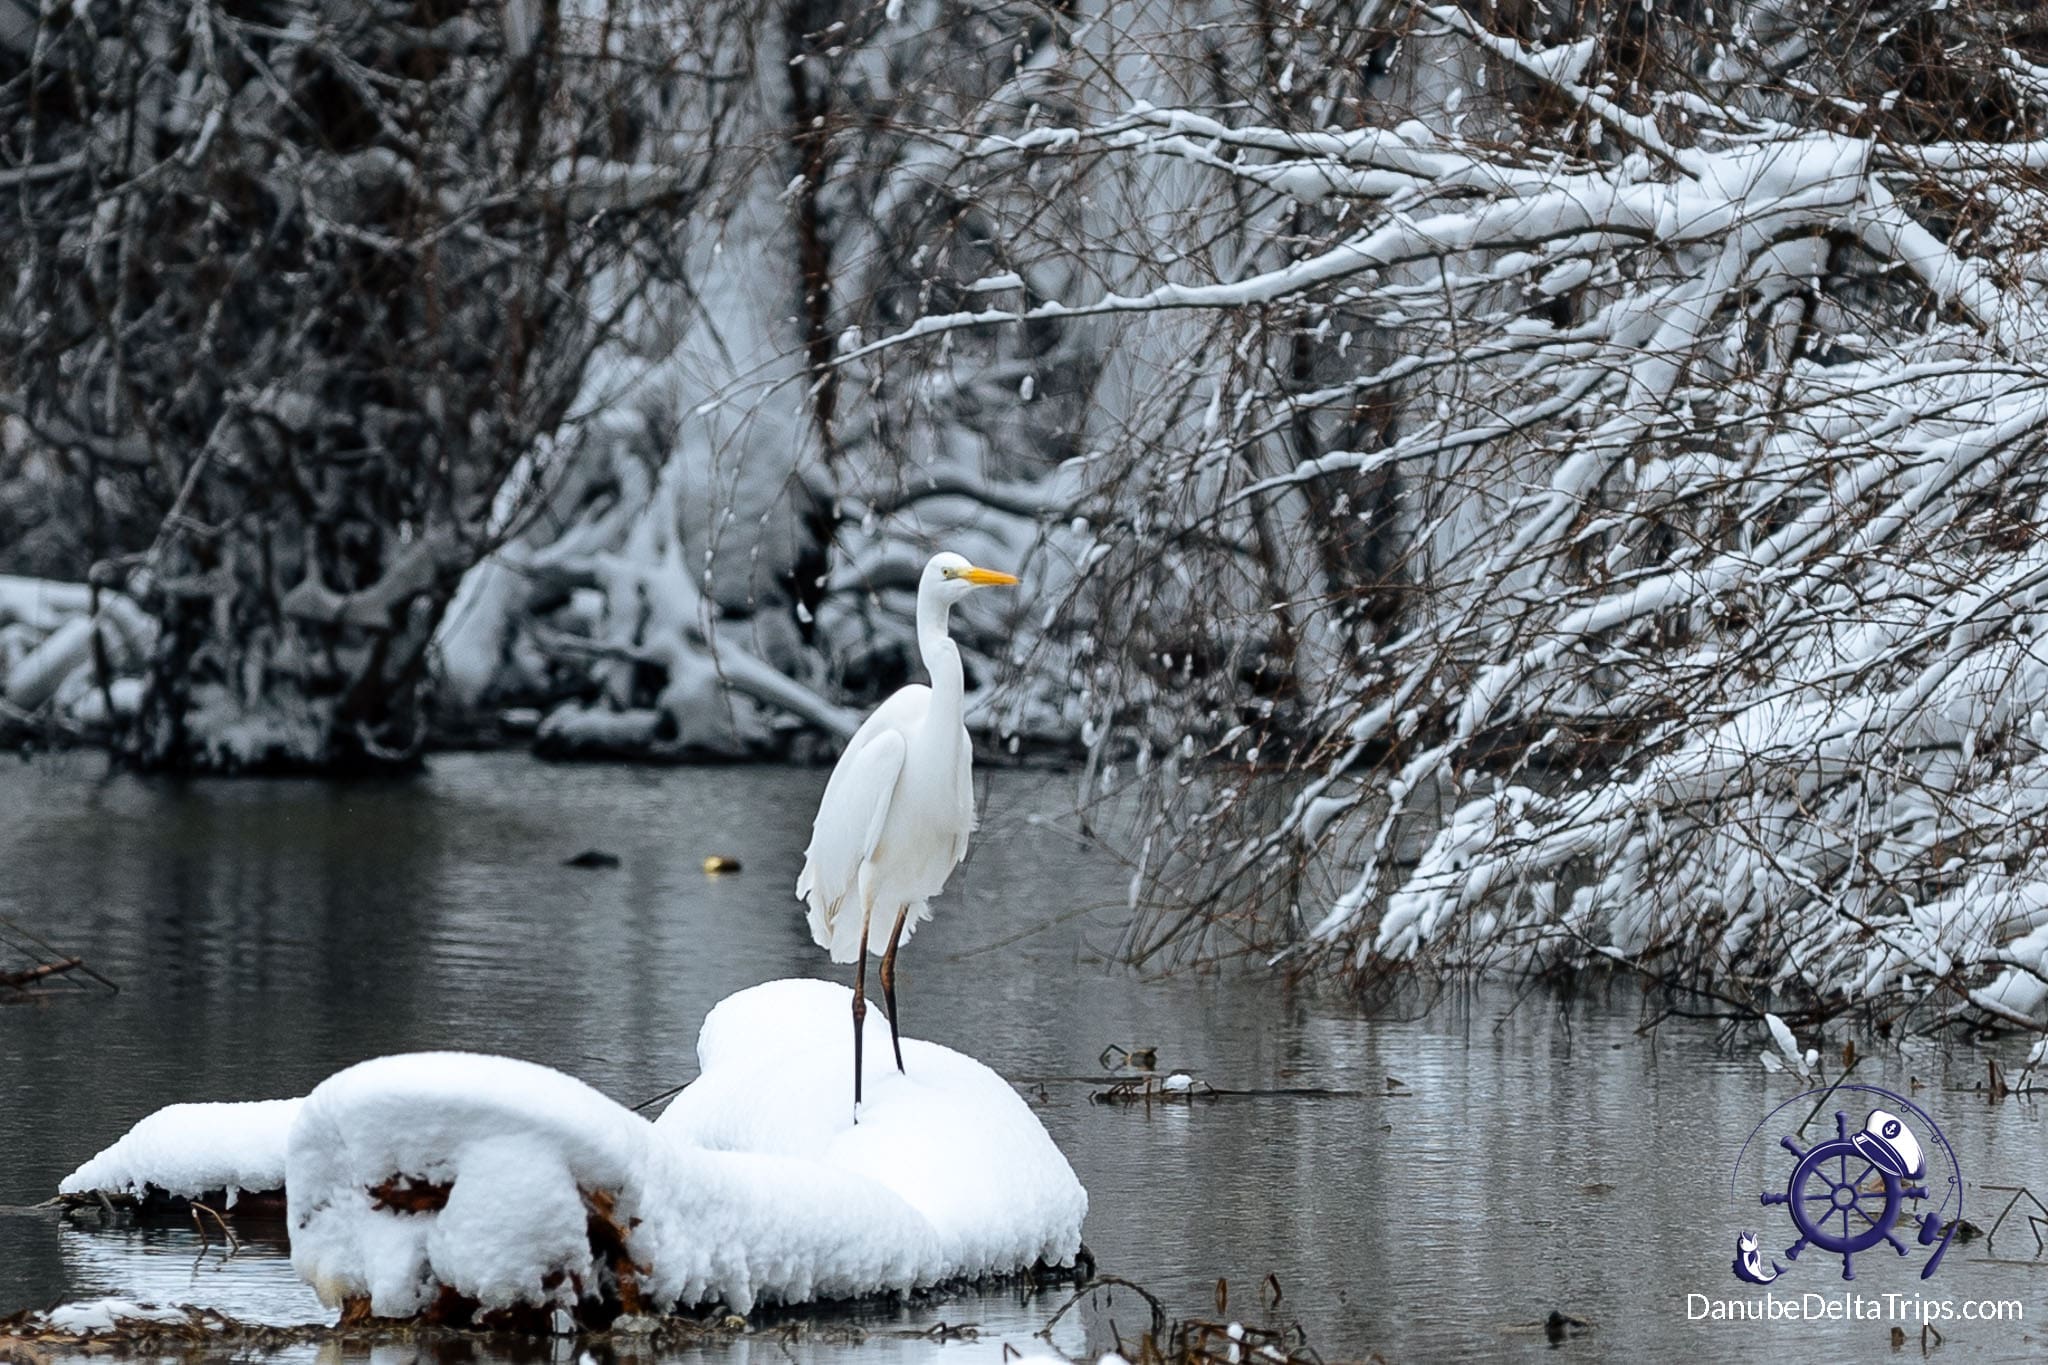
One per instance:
(41, 971)
(1185, 1089)
(155, 1206)
(46, 962)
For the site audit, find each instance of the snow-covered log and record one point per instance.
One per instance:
(37, 675)
(55, 653)
(40, 603)
(200, 1152)
(469, 1189)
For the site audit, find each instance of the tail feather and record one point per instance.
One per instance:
(821, 918)
(839, 933)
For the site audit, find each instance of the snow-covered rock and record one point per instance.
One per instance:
(451, 1184)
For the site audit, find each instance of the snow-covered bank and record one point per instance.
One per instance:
(462, 1188)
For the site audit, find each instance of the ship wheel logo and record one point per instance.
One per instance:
(1847, 1194)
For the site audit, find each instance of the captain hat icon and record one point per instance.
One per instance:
(1888, 1144)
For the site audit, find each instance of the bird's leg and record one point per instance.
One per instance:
(889, 984)
(860, 1004)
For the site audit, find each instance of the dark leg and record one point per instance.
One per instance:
(889, 984)
(860, 1007)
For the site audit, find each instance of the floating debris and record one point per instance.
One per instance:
(42, 966)
(1184, 1087)
(1115, 1058)
(1557, 1329)
(1563, 1326)
(2036, 1222)
(28, 976)
(592, 857)
(718, 864)
(2000, 1084)
(1220, 1340)
(1178, 1088)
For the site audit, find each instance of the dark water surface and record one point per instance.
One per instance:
(1538, 1156)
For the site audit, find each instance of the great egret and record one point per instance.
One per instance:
(897, 811)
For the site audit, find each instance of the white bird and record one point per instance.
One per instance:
(894, 820)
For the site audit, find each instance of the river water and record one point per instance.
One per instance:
(1528, 1155)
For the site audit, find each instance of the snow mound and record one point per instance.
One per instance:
(483, 1175)
(190, 1150)
(947, 1136)
(472, 1189)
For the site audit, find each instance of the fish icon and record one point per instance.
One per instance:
(1749, 1265)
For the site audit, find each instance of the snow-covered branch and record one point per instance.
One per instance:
(1651, 499)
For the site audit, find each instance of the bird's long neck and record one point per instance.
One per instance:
(941, 656)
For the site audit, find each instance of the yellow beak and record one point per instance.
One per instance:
(989, 578)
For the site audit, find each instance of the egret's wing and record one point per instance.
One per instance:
(905, 707)
(965, 782)
(849, 824)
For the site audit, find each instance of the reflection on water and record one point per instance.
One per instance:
(256, 1286)
(172, 1265)
(1532, 1157)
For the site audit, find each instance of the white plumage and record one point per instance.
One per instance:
(894, 820)
(883, 840)
(897, 811)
